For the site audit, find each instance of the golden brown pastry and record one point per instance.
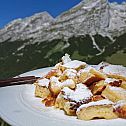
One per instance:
(114, 93)
(98, 109)
(69, 74)
(60, 101)
(99, 86)
(49, 100)
(115, 71)
(56, 86)
(53, 72)
(89, 75)
(87, 78)
(69, 108)
(41, 88)
(65, 105)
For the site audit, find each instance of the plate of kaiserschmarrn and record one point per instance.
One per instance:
(70, 93)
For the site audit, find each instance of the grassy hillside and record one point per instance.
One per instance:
(21, 56)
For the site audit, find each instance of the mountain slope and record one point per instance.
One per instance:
(93, 31)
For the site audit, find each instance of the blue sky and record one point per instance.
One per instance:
(13, 9)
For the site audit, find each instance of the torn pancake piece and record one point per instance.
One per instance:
(41, 88)
(114, 93)
(115, 71)
(55, 85)
(72, 99)
(90, 75)
(99, 86)
(74, 64)
(99, 109)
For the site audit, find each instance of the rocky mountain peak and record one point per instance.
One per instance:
(42, 17)
(22, 28)
(89, 2)
(88, 17)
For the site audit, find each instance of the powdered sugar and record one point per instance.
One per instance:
(101, 102)
(74, 64)
(68, 82)
(115, 69)
(70, 73)
(86, 69)
(66, 58)
(117, 89)
(110, 80)
(43, 82)
(57, 66)
(81, 93)
(55, 80)
(102, 65)
(79, 72)
(119, 104)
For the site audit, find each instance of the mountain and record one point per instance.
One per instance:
(92, 31)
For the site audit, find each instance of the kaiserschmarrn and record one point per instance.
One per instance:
(85, 91)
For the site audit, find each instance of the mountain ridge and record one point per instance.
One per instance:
(92, 16)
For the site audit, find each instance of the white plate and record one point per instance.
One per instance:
(19, 107)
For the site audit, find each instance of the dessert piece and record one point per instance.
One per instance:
(74, 64)
(58, 67)
(71, 99)
(89, 75)
(114, 93)
(98, 74)
(49, 100)
(55, 85)
(115, 71)
(42, 84)
(66, 59)
(80, 95)
(120, 109)
(53, 72)
(41, 89)
(70, 108)
(69, 74)
(113, 82)
(101, 65)
(87, 78)
(66, 105)
(60, 101)
(98, 109)
(99, 86)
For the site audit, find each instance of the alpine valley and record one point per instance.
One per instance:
(92, 31)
